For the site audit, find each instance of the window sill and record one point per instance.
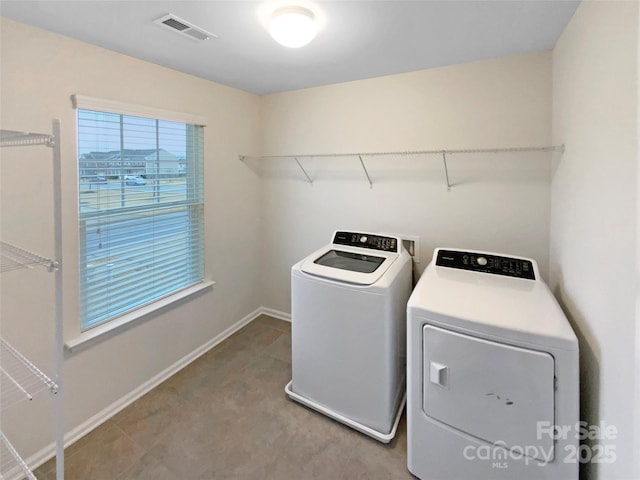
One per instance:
(118, 325)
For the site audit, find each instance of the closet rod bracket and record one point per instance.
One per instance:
(365, 171)
(303, 170)
(446, 170)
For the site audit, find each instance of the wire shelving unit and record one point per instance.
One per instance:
(20, 379)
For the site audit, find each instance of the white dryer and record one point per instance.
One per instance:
(348, 331)
(492, 373)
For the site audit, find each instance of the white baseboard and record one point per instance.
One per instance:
(275, 313)
(98, 419)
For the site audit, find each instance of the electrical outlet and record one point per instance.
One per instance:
(412, 244)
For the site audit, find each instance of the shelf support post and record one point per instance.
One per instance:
(57, 207)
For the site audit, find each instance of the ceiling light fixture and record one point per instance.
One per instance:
(293, 27)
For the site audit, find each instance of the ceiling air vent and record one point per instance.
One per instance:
(178, 25)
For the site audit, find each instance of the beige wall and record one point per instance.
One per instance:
(594, 219)
(499, 202)
(40, 70)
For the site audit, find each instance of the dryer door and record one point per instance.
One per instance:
(492, 391)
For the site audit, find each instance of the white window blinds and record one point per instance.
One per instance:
(140, 211)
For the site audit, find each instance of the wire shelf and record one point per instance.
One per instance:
(406, 153)
(19, 378)
(448, 151)
(11, 464)
(11, 138)
(13, 258)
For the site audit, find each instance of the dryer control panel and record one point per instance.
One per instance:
(486, 263)
(367, 240)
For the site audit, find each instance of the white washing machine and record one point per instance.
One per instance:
(492, 373)
(348, 331)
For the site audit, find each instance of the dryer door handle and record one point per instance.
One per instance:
(439, 374)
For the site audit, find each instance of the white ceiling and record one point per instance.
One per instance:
(357, 39)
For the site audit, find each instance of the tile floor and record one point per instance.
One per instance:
(226, 416)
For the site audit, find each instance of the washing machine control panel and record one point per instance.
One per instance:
(486, 263)
(367, 240)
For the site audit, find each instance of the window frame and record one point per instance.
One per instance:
(88, 334)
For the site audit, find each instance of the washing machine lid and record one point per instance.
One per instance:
(495, 392)
(501, 306)
(355, 262)
(354, 257)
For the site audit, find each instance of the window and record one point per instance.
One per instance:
(140, 211)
